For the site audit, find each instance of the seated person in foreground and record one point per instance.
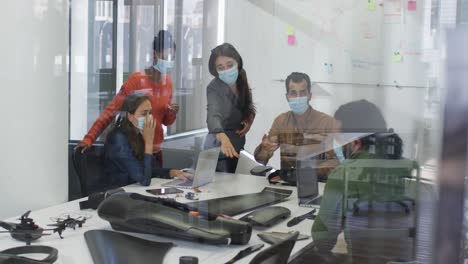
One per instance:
(374, 176)
(129, 146)
(301, 126)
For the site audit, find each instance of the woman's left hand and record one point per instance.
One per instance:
(182, 175)
(243, 131)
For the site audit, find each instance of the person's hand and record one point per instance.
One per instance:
(243, 131)
(148, 134)
(84, 147)
(182, 175)
(226, 146)
(276, 179)
(174, 108)
(268, 145)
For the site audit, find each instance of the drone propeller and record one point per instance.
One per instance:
(25, 215)
(71, 216)
(7, 226)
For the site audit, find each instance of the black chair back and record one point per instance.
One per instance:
(89, 167)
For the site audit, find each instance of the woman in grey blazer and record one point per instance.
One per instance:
(230, 109)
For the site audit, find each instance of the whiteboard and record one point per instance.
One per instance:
(348, 41)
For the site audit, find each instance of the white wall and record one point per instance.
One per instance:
(250, 29)
(251, 26)
(34, 105)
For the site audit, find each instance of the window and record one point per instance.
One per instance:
(110, 39)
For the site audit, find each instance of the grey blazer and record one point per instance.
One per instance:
(223, 114)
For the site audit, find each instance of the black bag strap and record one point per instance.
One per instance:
(95, 199)
(12, 255)
(77, 157)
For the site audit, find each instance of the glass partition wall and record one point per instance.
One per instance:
(112, 39)
(363, 87)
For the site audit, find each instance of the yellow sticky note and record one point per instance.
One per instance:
(290, 31)
(397, 57)
(371, 5)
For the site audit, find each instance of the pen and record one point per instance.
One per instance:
(298, 219)
(245, 252)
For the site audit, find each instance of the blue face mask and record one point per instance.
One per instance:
(164, 66)
(299, 105)
(229, 76)
(338, 151)
(141, 123)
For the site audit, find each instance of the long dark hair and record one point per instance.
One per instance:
(245, 93)
(122, 124)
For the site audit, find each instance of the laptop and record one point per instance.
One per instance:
(307, 185)
(204, 173)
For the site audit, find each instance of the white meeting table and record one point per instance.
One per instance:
(73, 249)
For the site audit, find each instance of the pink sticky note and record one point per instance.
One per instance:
(291, 40)
(412, 5)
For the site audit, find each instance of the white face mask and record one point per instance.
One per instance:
(299, 105)
(141, 123)
(229, 76)
(338, 151)
(164, 66)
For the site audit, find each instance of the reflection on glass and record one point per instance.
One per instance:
(185, 19)
(374, 185)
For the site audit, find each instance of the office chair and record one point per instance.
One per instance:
(277, 253)
(89, 167)
(384, 186)
(381, 238)
(386, 175)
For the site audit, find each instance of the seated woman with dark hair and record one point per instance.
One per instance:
(129, 146)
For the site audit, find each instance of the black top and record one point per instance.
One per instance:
(122, 166)
(224, 112)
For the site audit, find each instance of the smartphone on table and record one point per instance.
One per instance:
(164, 191)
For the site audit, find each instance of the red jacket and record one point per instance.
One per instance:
(160, 95)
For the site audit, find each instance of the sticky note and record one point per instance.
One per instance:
(371, 5)
(397, 57)
(412, 5)
(291, 40)
(290, 30)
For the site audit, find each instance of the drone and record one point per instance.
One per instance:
(27, 231)
(64, 222)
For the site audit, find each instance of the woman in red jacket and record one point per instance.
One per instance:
(153, 82)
